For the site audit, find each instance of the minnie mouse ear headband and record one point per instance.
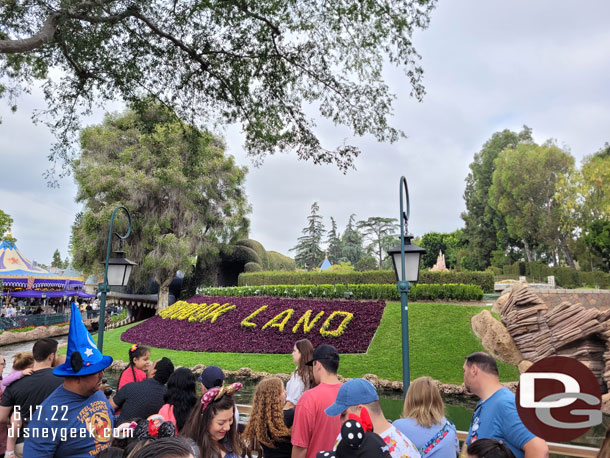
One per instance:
(356, 443)
(154, 427)
(216, 393)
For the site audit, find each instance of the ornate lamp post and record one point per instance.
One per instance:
(116, 272)
(405, 258)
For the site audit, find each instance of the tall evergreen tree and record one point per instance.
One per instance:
(56, 262)
(309, 255)
(352, 249)
(334, 243)
(485, 229)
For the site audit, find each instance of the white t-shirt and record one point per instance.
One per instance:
(294, 388)
(399, 445)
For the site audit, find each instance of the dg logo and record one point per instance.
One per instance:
(559, 399)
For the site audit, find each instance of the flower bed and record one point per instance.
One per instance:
(259, 324)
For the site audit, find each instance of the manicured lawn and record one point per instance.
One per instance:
(440, 337)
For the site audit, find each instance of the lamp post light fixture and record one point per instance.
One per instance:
(405, 258)
(116, 272)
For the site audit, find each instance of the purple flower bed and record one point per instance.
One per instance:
(227, 334)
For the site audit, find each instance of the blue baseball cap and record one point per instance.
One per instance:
(354, 392)
(211, 377)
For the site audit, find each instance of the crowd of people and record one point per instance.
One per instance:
(54, 407)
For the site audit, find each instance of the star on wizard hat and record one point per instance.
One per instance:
(83, 357)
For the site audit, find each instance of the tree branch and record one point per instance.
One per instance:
(44, 35)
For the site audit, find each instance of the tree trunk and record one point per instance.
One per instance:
(528, 252)
(163, 298)
(566, 251)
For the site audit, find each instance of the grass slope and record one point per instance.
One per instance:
(440, 337)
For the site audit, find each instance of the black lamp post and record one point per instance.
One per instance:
(116, 272)
(405, 258)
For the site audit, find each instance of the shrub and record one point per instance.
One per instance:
(458, 292)
(382, 277)
(484, 279)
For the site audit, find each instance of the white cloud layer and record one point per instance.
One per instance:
(488, 66)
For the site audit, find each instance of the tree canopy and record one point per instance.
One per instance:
(376, 229)
(258, 64)
(5, 226)
(185, 196)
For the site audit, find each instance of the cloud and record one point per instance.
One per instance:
(488, 66)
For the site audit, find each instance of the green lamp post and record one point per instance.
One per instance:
(116, 272)
(405, 258)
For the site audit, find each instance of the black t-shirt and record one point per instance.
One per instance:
(139, 399)
(30, 391)
(283, 448)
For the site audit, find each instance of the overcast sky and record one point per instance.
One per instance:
(488, 66)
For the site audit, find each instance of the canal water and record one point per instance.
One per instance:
(458, 408)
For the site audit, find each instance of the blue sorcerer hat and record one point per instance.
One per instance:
(83, 357)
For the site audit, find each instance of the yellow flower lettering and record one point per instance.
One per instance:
(347, 317)
(279, 320)
(304, 320)
(246, 323)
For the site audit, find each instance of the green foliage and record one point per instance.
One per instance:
(343, 266)
(309, 255)
(367, 263)
(334, 245)
(185, 196)
(57, 262)
(252, 267)
(258, 64)
(435, 242)
(565, 277)
(597, 239)
(5, 227)
(316, 278)
(439, 337)
(422, 292)
(523, 191)
(376, 229)
(483, 279)
(278, 261)
(351, 242)
(485, 229)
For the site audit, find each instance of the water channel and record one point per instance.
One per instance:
(459, 408)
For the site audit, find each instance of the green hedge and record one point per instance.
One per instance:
(381, 277)
(360, 291)
(565, 277)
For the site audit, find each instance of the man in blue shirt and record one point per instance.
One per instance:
(76, 419)
(495, 416)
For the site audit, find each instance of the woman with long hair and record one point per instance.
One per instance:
(302, 377)
(212, 425)
(180, 397)
(423, 421)
(139, 361)
(268, 431)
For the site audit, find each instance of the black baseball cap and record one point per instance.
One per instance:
(324, 351)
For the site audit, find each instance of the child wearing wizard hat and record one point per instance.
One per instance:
(76, 420)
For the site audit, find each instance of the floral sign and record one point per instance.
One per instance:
(259, 324)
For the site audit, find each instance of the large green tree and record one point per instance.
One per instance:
(436, 242)
(56, 261)
(334, 243)
(524, 192)
(485, 230)
(309, 255)
(597, 239)
(375, 229)
(351, 242)
(255, 63)
(185, 195)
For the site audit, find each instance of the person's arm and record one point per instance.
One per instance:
(118, 399)
(14, 376)
(298, 452)
(5, 414)
(536, 448)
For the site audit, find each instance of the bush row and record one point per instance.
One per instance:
(420, 291)
(381, 277)
(565, 277)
